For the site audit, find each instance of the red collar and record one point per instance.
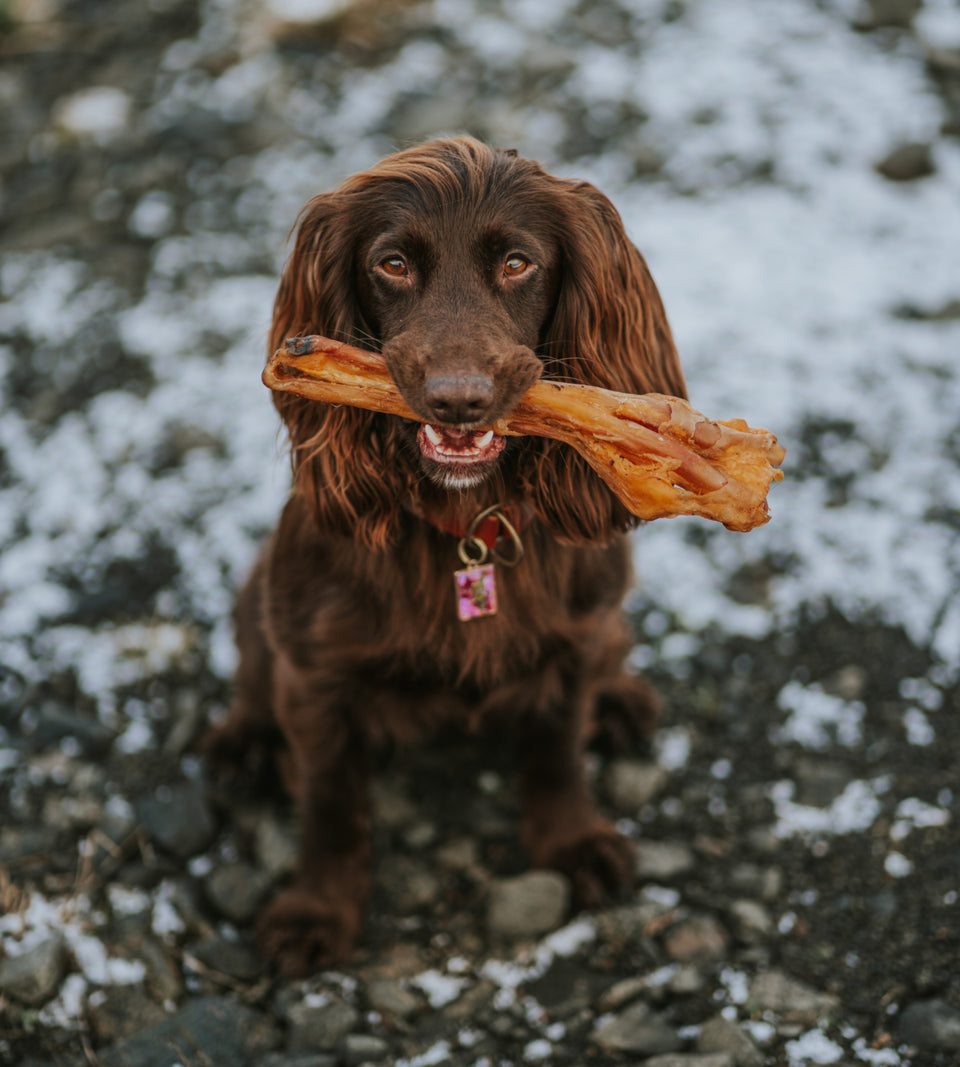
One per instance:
(489, 530)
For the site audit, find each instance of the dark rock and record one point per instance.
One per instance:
(179, 819)
(319, 1026)
(637, 1030)
(528, 905)
(907, 163)
(304, 1059)
(232, 958)
(237, 890)
(890, 13)
(931, 1024)
(410, 883)
(34, 976)
(691, 1059)
(210, 1030)
(121, 1010)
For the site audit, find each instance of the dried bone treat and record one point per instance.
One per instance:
(659, 455)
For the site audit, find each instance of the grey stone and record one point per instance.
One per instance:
(303, 1059)
(528, 905)
(389, 997)
(231, 958)
(179, 819)
(631, 783)
(213, 1029)
(237, 890)
(931, 1024)
(718, 1035)
(663, 861)
(691, 1059)
(410, 884)
(276, 846)
(319, 1026)
(907, 163)
(794, 1001)
(637, 1030)
(896, 13)
(121, 1010)
(34, 976)
(753, 921)
(365, 1048)
(699, 938)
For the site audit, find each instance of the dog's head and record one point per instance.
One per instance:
(473, 272)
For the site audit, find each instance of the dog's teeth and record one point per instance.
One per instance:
(484, 439)
(432, 435)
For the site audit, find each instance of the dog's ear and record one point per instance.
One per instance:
(609, 329)
(344, 459)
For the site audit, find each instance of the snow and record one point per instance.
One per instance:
(813, 1047)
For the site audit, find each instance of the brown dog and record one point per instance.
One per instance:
(473, 272)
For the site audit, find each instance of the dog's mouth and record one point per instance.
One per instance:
(458, 448)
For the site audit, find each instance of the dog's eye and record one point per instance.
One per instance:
(514, 265)
(396, 266)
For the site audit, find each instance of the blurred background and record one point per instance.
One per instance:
(791, 172)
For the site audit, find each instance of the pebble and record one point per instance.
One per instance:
(691, 1059)
(752, 920)
(896, 13)
(389, 997)
(236, 890)
(697, 939)
(231, 958)
(794, 1001)
(179, 819)
(932, 1025)
(637, 1030)
(663, 861)
(365, 1048)
(214, 1029)
(276, 846)
(121, 1010)
(409, 882)
(630, 783)
(34, 976)
(719, 1035)
(907, 163)
(527, 905)
(322, 1026)
(306, 1059)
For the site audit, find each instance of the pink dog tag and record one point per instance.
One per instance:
(476, 592)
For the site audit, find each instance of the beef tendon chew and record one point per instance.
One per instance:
(659, 455)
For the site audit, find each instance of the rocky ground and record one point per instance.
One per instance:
(798, 815)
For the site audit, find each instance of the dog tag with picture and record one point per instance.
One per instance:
(476, 592)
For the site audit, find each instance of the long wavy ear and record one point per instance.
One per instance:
(346, 462)
(609, 329)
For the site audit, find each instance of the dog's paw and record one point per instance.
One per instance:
(626, 713)
(601, 865)
(303, 933)
(242, 759)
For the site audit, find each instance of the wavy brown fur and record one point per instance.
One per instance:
(347, 632)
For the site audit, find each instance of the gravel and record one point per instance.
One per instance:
(791, 172)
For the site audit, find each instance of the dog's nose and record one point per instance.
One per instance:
(460, 399)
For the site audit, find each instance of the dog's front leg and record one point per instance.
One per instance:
(562, 828)
(315, 921)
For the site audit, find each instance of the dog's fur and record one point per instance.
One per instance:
(473, 272)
